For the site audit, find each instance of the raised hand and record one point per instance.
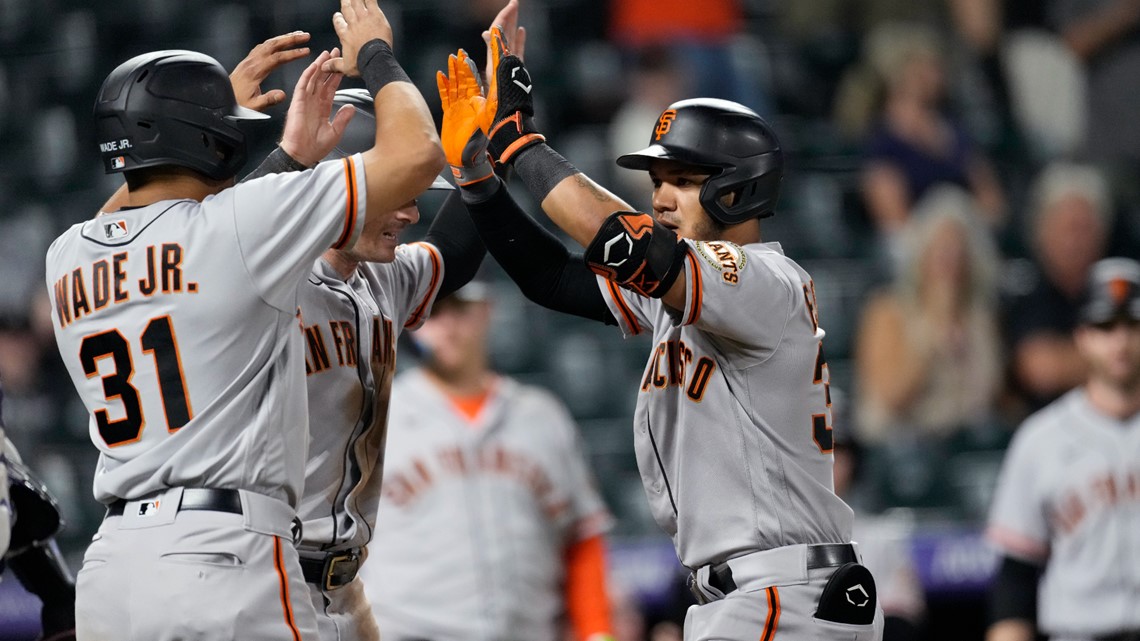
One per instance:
(509, 98)
(507, 20)
(465, 120)
(309, 134)
(357, 23)
(263, 60)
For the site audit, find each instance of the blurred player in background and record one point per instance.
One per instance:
(490, 524)
(1066, 512)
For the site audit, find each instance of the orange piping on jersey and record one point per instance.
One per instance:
(278, 563)
(587, 602)
(350, 203)
(773, 619)
(436, 261)
(626, 312)
(695, 289)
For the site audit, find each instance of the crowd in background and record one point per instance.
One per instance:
(954, 167)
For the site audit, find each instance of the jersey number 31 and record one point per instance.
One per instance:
(158, 340)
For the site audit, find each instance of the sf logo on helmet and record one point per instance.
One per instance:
(665, 122)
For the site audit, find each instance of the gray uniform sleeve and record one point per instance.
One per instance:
(631, 310)
(585, 515)
(411, 282)
(7, 452)
(1018, 520)
(742, 296)
(285, 221)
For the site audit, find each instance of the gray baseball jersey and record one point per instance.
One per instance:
(1068, 497)
(475, 515)
(732, 427)
(177, 322)
(350, 331)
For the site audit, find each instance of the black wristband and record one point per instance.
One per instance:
(378, 66)
(277, 162)
(542, 168)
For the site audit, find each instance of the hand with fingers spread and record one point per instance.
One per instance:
(263, 60)
(309, 135)
(465, 120)
(509, 98)
(357, 23)
(507, 20)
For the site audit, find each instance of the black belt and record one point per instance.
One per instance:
(334, 570)
(193, 498)
(827, 555)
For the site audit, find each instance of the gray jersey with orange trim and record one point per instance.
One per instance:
(476, 514)
(732, 428)
(1068, 498)
(350, 333)
(177, 322)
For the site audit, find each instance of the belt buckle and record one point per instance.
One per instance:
(330, 569)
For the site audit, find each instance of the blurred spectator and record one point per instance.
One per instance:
(701, 34)
(884, 545)
(1105, 34)
(928, 354)
(1070, 215)
(656, 81)
(912, 145)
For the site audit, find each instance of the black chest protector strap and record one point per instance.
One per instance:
(634, 250)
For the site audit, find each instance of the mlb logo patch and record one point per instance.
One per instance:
(118, 162)
(148, 508)
(115, 229)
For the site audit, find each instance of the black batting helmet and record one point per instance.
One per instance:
(360, 135)
(731, 141)
(171, 108)
(1113, 292)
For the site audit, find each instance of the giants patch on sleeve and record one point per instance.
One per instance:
(725, 257)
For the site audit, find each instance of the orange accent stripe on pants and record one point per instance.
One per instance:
(286, 604)
(773, 614)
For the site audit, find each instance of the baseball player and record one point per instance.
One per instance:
(352, 309)
(176, 318)
(732, 427)
(485, 477)
(1066, 511)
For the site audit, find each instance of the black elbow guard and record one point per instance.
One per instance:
(634, 250)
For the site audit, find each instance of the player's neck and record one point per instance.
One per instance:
(175, 187)
(341, 263)
(1114, 401)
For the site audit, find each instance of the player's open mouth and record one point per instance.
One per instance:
(390, 235)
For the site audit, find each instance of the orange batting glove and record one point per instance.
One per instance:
(465, 120)
(510, 100)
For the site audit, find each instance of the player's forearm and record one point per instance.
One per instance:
(454, 235)
(587, 600)
(545, 271)
(575, 203)
(407, 155)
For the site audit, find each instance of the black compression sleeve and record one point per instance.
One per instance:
(277, 162)
(1013, 594)
(458, 242)
(543, 268)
